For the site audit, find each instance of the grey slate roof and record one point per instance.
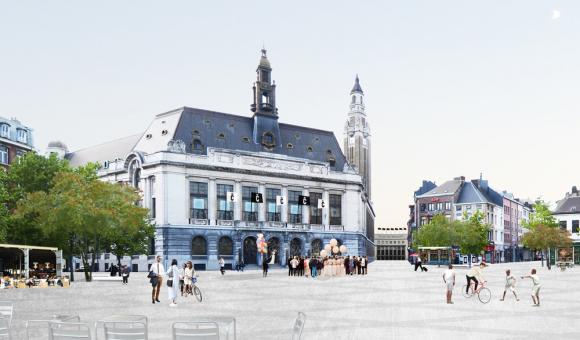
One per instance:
(109, 151)
(211, 126)
(447, 188)
(472, 192)
(569, 205)
(356, 87)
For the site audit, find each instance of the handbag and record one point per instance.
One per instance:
(170, 283)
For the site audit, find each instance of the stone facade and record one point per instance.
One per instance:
(15, 140)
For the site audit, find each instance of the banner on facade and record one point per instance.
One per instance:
(321, 203)
(257, 197)
(303, 200)
(232, 196)
(280, 200)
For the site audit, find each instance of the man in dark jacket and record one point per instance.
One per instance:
(265, 263)
(347, 265)
(289, 266)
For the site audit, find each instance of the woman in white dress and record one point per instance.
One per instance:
(173, 274)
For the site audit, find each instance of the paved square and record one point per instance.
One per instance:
(392, 302)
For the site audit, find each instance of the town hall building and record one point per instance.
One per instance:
(213, 181)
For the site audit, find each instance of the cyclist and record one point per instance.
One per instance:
(188, 274)
(474, 274)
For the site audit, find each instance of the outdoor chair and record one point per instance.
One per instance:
(125, 330)
(36, 333)
(6, 310)
(298, 326)
(4, 327)
(68, 331)
(202, 330)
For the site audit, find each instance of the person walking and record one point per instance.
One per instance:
(306, 267)
(418, 263)
(158, 272)
(125, 274)
(313, 264)
(290, 266)
(536, 288)
(449, 279)
(265, 264)
(294, 265)
(173, 283)
(222, 263)
(510, 284)
(363, 265)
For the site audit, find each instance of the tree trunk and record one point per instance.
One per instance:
(469, 260)
(549, 260)
(542, 258)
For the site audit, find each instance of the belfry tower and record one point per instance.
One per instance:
(357, 144)
(266, 130)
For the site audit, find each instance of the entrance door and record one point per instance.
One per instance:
(250, 250)
(274, 245)
(296, 247)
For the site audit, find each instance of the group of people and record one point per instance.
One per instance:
(178, 280)
(327, 266)
(474, 275)
(7, 282)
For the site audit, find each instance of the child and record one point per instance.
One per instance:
(510, 284)
(535, 288)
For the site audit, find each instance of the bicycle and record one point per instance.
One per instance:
(483, 293)
(193, 290)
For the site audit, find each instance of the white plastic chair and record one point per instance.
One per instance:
(202, 330)
(4, 328)
(125, 330)
(6, 310)
(68, 331)
(298, 326)
(33, 331)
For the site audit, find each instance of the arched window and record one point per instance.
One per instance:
(196, 146)
(199, 246)
(225, 246)
(353, 99)
(135, 173)
(265, 98)
(316, 247)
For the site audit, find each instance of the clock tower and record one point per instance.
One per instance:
(357, 144)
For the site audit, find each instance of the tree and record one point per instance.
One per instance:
(472, 235)
(30, 173)
(543, 233)
(80, 213)
(439, 232)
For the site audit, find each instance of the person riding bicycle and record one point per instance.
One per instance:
(474, 274)
(188, 275)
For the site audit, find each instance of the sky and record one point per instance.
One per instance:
(451, 87)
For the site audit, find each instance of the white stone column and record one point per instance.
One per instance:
(262, 206)
(211, 201)
(284, 208)
(163, 198)
(326, 210)
(238, 204)
(305, 208)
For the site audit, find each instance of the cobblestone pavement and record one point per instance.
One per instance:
(392, 302)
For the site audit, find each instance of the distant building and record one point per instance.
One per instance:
(458, 199)
(391, 243)
(567, 214)
(412, 224)
(213, 181)
(15, 140)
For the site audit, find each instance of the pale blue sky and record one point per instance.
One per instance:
(452, 87)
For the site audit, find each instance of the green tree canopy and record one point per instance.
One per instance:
(82, 215)
(541, 215)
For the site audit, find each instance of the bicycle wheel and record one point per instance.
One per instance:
(484, 295)
(197, 293)
(465, 293)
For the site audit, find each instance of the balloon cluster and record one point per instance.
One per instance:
(333, 248)
(262, 244)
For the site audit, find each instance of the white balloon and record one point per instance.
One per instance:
(328, 248)
(323, 253)
(333, 242)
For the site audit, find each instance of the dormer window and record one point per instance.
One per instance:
(221, 135)
(22, 136)
(330, 158)
(197, 146)
(246, 139)
(289, 146)
(268, 139)
(309, 149)
(164, 132)
(573, 209)
(4, 130)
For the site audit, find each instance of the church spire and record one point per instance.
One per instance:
(357, 144)
(356, 87)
